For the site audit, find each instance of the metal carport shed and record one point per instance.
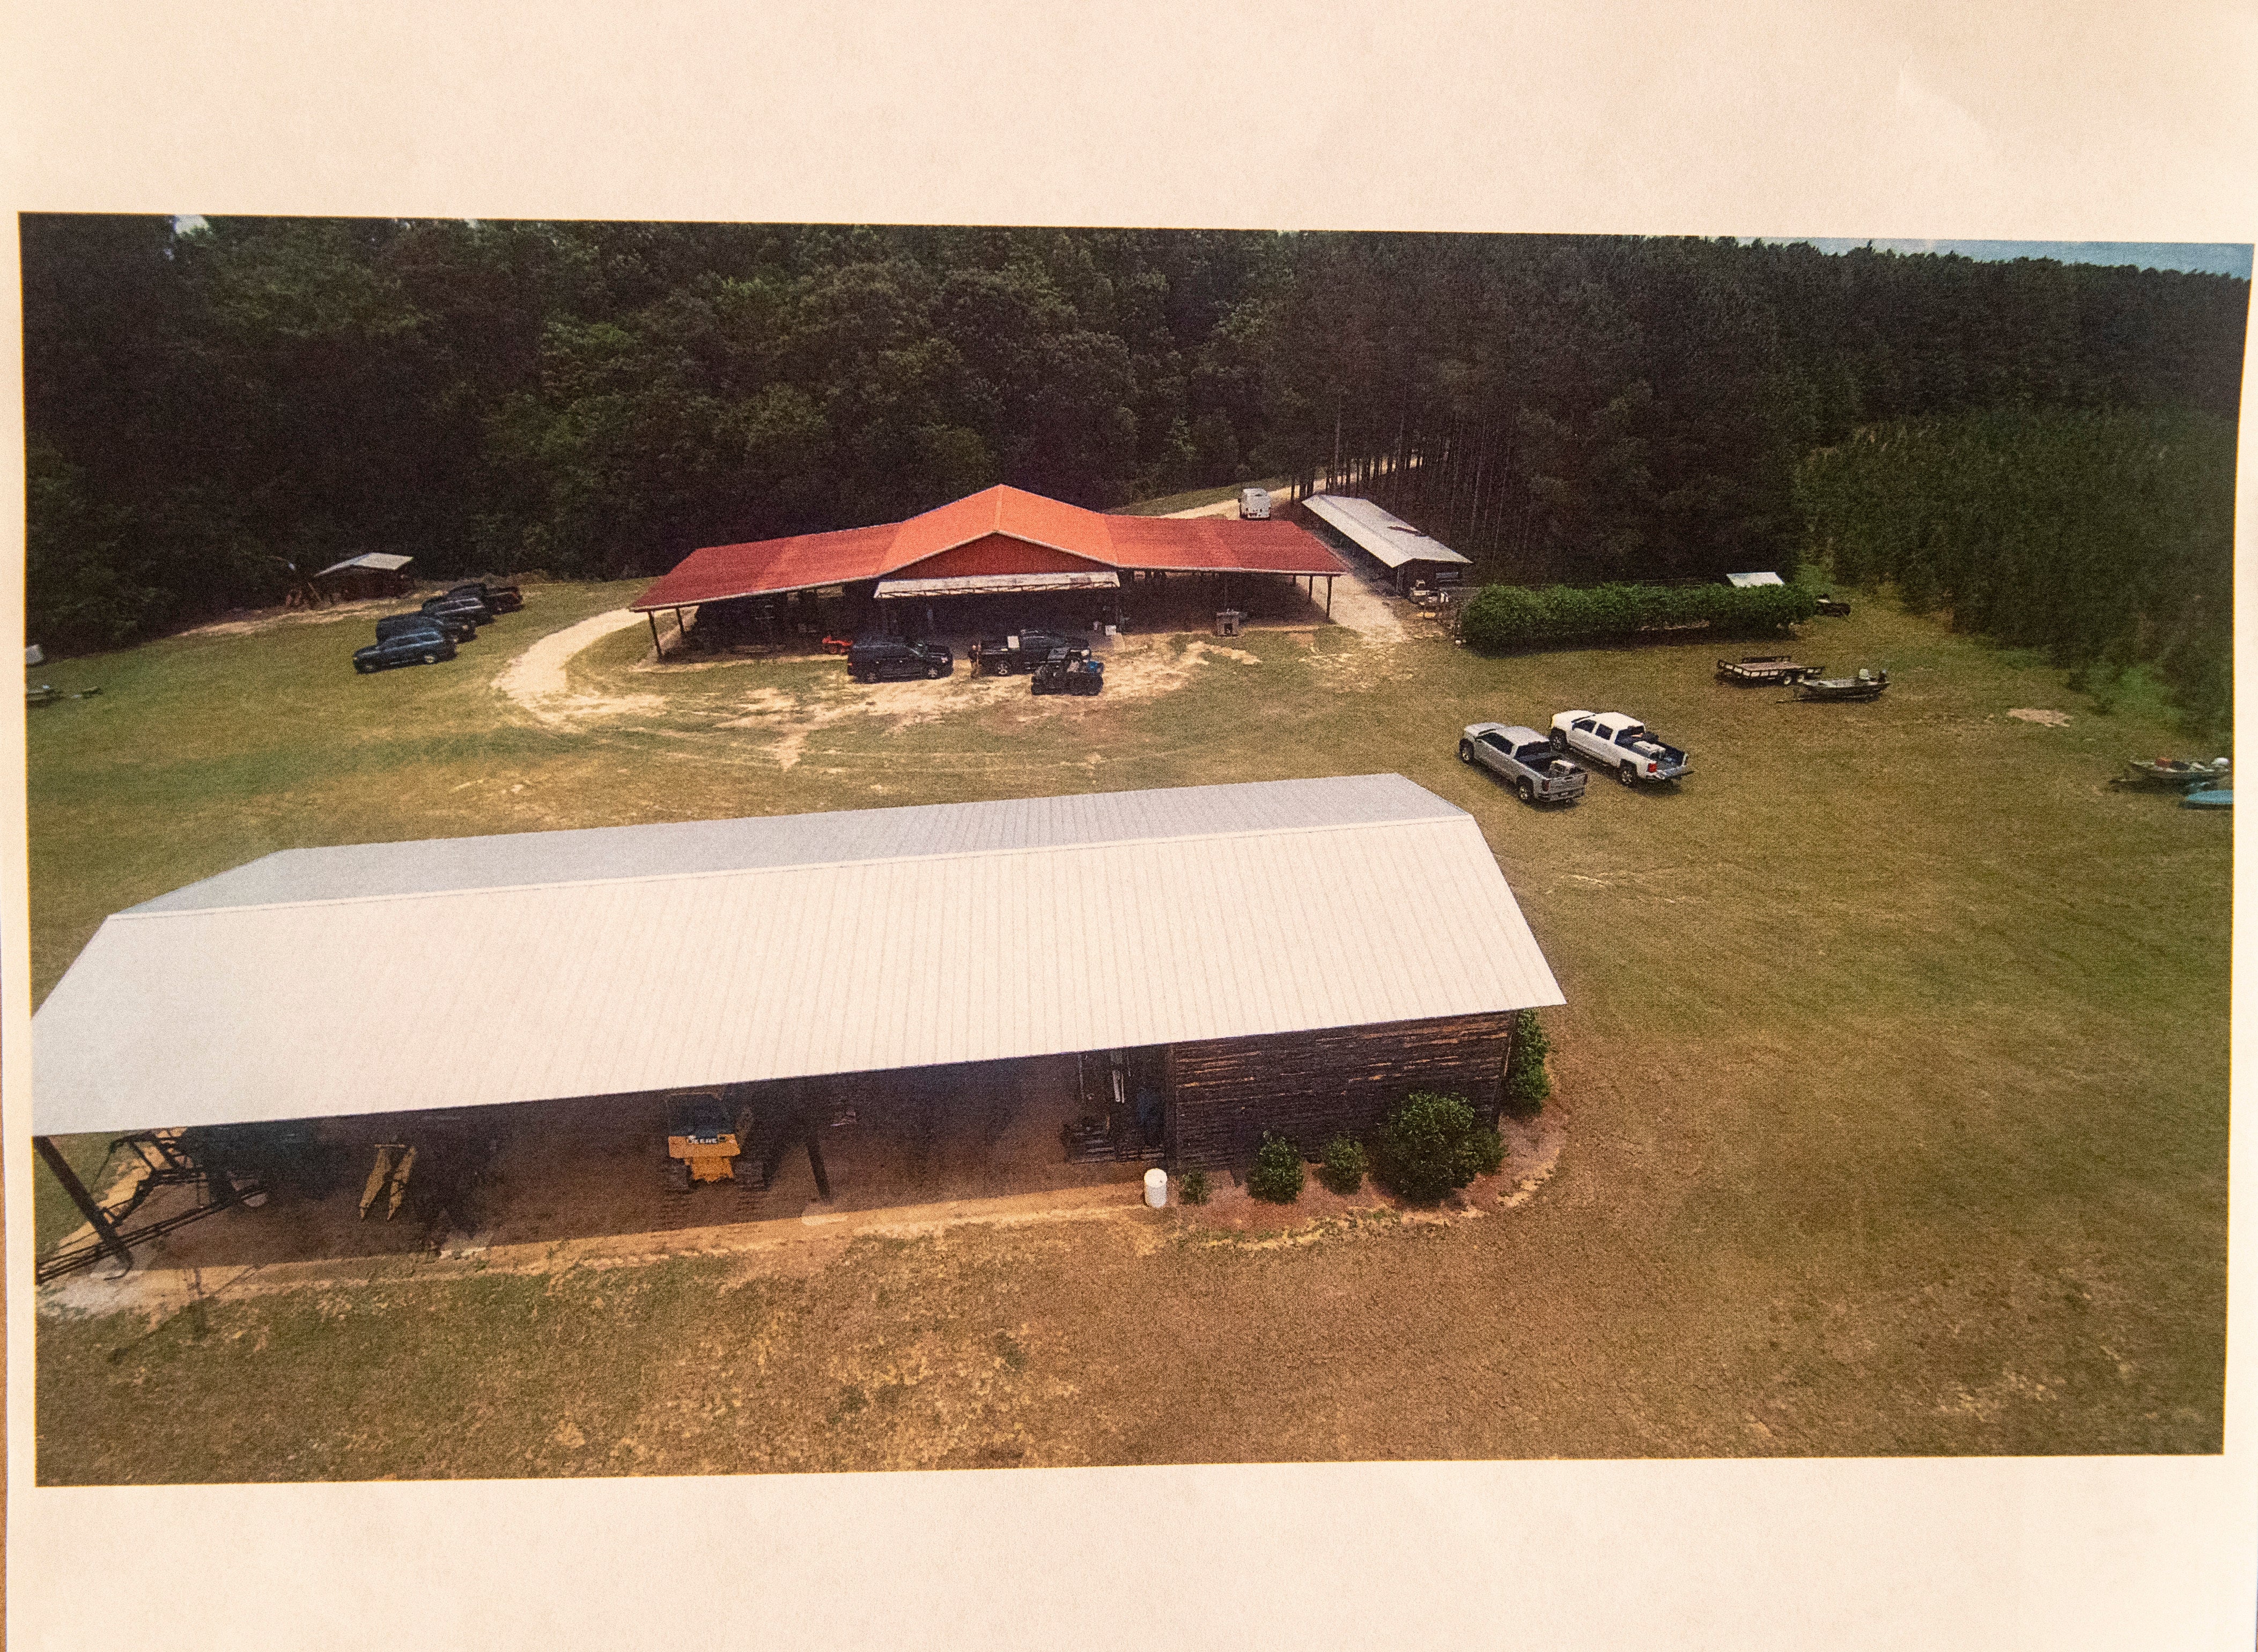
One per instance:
(1283, 956)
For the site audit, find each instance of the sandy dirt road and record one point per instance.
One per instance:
(536, 679)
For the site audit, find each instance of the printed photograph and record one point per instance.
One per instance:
(1625, 853)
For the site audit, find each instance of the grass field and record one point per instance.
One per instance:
(1892, 1074)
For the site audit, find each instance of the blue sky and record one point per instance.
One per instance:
(2215, 258)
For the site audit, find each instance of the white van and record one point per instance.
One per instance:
(1254, 503)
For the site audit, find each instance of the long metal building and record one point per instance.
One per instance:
(1406, 553)
(1286, 954)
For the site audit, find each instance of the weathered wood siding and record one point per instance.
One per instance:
(1224, 1093)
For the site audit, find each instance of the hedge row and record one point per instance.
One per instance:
(1521, 617)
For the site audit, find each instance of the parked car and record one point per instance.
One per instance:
(1620, 743)
(871, 658)
(410, 648)
(502, 597)
(1023, 651)
(1254, 503)
(454, 627)
(1525, 760)
(470, 607)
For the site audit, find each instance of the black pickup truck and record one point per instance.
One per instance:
(502, 596)
(1022, 651)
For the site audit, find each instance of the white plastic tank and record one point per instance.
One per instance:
(1156, 1187)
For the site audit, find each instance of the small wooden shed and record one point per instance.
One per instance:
(374, 573)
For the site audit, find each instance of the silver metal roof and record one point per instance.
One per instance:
(383, 562)
(632, 959)
(1756, 580)
(1385, 534)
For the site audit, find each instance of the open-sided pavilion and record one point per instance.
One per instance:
(1000, 541)
(1284, 955)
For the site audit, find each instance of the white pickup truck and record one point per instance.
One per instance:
(1616, 742)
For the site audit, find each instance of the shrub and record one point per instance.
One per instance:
(1192, 1186)
(1527, 1084)
(1433, 1143)
(1277, 1174)
(1343, 1167)
(1501, 617)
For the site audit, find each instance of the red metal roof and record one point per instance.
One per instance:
(1216, 544)
(1006, 510)
(773, 566)
(1220, 544)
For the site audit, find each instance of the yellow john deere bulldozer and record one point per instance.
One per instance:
(702, 1143)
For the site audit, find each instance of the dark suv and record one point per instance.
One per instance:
(869, 659)
(410, 648)
(469, 607)
(454, 627)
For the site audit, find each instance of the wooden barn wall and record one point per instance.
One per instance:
(1313, 1086)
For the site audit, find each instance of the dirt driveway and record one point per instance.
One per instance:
(1357, 606)
(536, 680)
(1139, 669)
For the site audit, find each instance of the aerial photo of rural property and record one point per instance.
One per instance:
(713, 849)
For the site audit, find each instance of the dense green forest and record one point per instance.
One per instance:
(2106, 538)
(208, 408)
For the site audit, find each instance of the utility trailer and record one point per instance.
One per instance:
(1765, 668)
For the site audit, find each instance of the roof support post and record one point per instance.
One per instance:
(104, 1230)
(1329, 596)
(653, 617)
(815, 1163)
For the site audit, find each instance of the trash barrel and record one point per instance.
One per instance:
(1156, 1187)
